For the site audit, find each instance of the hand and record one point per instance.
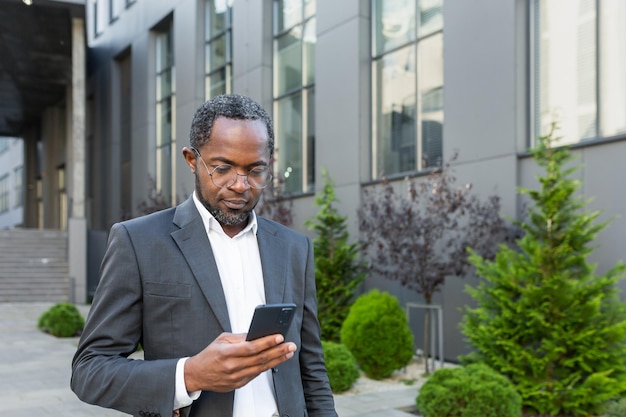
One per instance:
(231, 362)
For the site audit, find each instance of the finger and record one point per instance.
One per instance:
(266, 342)
(275, 356)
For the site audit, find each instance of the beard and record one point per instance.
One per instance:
(228, 218)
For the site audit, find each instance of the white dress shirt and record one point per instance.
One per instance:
(239, 265)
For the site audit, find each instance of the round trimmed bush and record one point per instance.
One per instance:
(471, 391)
(340, 365)
(62, 320)
(377, 333)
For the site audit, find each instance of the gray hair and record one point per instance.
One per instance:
(231, 106)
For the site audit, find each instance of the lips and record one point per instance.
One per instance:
(235, 204)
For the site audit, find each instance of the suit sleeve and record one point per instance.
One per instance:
(317, 392)
(102, 372)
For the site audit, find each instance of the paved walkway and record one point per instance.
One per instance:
(35, 374)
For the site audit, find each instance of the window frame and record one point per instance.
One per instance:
(305, 89)
(18, 184)
(165, 147)
(209, 40)
(5, 203)
(411, 45)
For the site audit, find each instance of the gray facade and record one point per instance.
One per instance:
(487, 95)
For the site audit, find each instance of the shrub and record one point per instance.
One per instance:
(544, 317)
(340, 365)
(62, 320)
(472, 391)
(377, 333)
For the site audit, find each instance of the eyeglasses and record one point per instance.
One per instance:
(225, 175)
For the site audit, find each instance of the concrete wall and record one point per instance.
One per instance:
(131, 34)
(486, 101)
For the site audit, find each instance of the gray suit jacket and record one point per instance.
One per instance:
(159, 286)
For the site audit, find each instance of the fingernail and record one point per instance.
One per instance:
(279, 339)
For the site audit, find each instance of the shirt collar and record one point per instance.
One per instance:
(210, 223)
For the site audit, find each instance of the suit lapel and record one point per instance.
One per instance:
(194, 244)
(273, 251)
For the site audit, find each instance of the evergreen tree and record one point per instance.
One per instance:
(543, 316)
(337, 271)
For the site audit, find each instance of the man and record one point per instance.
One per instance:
(184, 282)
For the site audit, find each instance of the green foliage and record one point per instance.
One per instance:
(338, 273)
(340, 365)
(543, 317)
(61, 320)
(377, 333)
(472, 391)
(616, 409)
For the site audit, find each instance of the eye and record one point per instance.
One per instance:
(222, 169)
(258, 172)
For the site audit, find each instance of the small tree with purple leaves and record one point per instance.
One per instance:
(420, 237)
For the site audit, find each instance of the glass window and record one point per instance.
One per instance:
(39, 188)
(101, 15)
(612, 68)
(218, 47)
(288, 13)
(288, 71)
(116, 7)
(430, 95)
(289, 124)
(407, 90)
(18, 180)
(62, 197)
(394, 24)
(4, 193)
(579, 69)
(165, 115)
(294, 82)
(4, 144)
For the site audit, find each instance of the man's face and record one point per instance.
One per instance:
(242, 144)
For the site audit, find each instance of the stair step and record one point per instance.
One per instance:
(33, 265)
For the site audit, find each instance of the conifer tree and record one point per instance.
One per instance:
(338, 273)
(544, 318)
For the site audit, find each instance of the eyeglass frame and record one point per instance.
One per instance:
(237, 174)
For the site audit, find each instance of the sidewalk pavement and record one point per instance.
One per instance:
(35, 374)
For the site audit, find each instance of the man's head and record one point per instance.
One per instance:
(231, 152)
(230, 106)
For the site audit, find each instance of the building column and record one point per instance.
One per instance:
(77, 222)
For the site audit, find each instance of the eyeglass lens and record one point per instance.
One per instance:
(226, 175)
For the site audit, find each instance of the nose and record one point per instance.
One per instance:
(241, 183)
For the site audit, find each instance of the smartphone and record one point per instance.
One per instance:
(271, 319)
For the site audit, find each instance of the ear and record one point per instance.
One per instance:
(190, 158)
